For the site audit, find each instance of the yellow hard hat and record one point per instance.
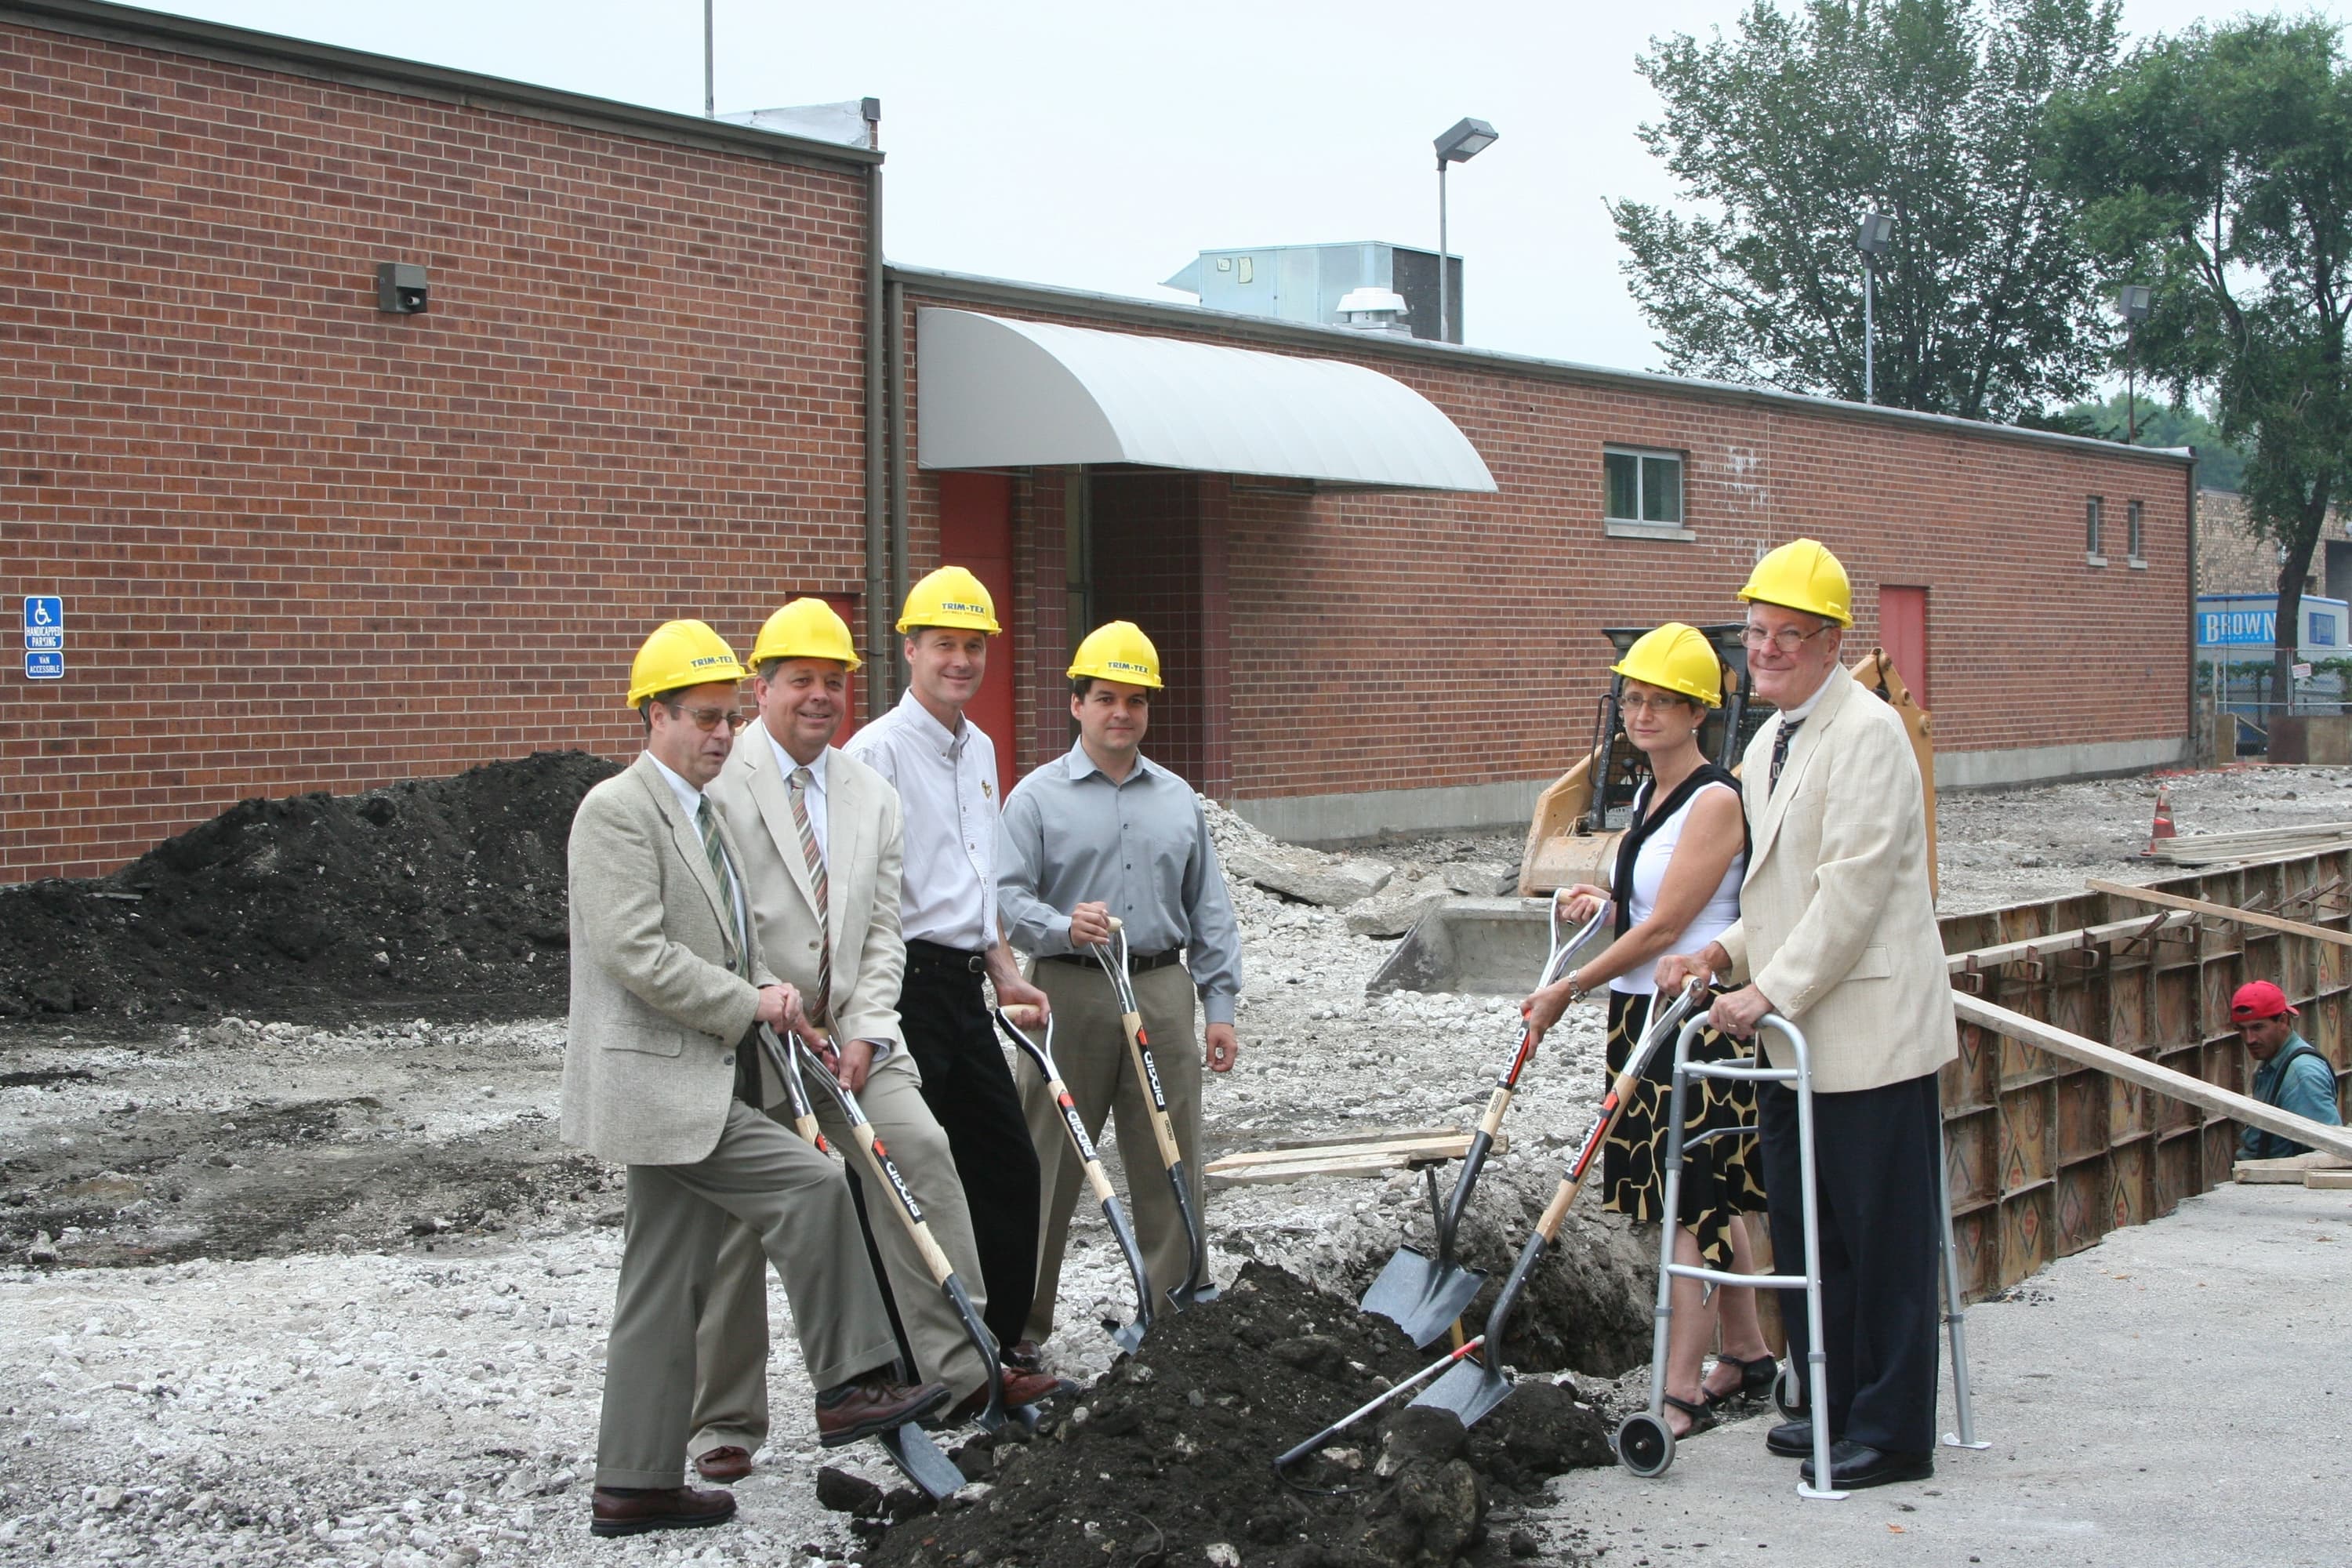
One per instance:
(949, 596)
(1675, 657)
(679, 655)
(805, 628)
(1802, 575)
(1117, 650)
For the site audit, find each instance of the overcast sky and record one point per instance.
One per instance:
(1100, 144)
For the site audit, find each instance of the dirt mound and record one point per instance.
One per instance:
(448, 889)
(1168, 1460)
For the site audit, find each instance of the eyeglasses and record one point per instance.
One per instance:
(1785, 641)
(707, 718)
(1633, 702)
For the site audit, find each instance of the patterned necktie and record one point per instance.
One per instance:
(706, 820)
(800, 780)
(1788, 728)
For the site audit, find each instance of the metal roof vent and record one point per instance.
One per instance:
(1372, 308)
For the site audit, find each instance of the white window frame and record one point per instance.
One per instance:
(2094, 530)
(2136, 535)
(1634, 527)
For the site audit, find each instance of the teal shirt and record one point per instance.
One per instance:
(2297, 1082)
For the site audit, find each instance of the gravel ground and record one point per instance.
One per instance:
(335, 1294)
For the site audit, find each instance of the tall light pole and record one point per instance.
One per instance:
(1465, 140)
(2132, 303)
(1873, 238)
(709, 70)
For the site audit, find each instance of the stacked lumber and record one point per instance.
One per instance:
(1358, 1154)
(2248, 844)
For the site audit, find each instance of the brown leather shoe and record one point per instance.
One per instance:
(724, 1463)
(662, 1508)
(872, 1404)
(1020, 1388)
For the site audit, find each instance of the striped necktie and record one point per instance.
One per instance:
(800, 780)
(707, 821)
(1788, 728)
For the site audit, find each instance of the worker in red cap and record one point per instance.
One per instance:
(2289, 1072)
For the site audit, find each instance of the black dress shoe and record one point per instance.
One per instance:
(1856, 1465)
(1792, 1439)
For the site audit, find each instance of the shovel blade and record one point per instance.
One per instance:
(1128, 1339)
(1422, 1298)
(1468, 1390)
(920, 1460)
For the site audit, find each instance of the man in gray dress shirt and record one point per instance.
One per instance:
(1103, 831)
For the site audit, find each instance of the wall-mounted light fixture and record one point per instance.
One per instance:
(400, 288)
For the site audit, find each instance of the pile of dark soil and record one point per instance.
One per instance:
(1168, 1460)
(449, 890)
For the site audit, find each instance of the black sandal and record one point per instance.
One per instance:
(1701, 1414)
(1756, 1377)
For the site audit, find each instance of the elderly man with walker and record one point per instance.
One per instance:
(1837, 934)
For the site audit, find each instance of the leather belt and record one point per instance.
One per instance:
(1137, 963)
(937, 955)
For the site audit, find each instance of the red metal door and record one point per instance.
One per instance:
(976, 533)
(1903, 632)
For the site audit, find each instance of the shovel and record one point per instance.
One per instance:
(909, 1447)
(1471, 1390)
(1290, 1456)
(1425, 1295)
(1130, 1336)
(1196, 1286)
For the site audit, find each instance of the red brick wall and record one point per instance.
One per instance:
(1393, 641)
(305, 545)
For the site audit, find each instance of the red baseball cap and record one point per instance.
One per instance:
(2260, 999)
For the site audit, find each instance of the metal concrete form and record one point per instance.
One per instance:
(2046, 1156)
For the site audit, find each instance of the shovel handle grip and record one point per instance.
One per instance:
(1497, 1104)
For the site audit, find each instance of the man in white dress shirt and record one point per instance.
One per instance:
(945, 770)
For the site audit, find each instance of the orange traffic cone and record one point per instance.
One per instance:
(2163, 828)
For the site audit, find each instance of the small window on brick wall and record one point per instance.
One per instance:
(1642, 491)
(2136, 533)
(2094, 525)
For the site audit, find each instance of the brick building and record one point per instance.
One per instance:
(307, 544)
(2233, 559)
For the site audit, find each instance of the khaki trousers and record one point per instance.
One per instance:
(793, 1202)
(730, 1343)
(1090, 1047)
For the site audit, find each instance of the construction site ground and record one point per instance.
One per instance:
(328, 1287)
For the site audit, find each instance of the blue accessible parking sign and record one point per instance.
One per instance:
(45, 665)
(45, 636)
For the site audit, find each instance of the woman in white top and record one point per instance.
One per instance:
(1676, 887)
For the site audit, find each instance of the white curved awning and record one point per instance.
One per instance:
(998, 394)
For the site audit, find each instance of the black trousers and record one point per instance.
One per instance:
(943, 1011)
(1875, 1171)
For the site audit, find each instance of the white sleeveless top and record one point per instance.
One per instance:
(1650, 873)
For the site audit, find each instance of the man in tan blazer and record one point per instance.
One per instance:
(668, 988)
(1837, 934)
(821, 847)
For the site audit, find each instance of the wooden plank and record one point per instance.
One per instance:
(2328, 1181)
(2289, 1171)
(2064, 941)
(1438, 1146)
(1333, 1140)
(2149, 1074)
(2223, 912)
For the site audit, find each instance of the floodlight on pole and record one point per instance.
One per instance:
(1873, 237)
(1463, 141)
(2132, 303)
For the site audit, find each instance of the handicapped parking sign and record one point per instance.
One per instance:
(45, 621)
(45, 665)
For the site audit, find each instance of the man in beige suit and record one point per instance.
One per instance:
(668, 989)
(821, 847)
(1837, 934)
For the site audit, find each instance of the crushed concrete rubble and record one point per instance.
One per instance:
(310, 1278)
(1334, 882)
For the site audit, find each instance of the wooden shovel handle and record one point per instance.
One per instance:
(1145, 1078)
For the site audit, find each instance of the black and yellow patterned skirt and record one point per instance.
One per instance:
(1721, 1177)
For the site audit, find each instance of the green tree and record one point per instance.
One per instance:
(2219, 464)
(2217, 166)
(1929, 111)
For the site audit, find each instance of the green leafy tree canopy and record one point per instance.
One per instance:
(1931, 111)
(2217, 166)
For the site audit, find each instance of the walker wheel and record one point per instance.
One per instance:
(1645, 1445)
(1786, 1395)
